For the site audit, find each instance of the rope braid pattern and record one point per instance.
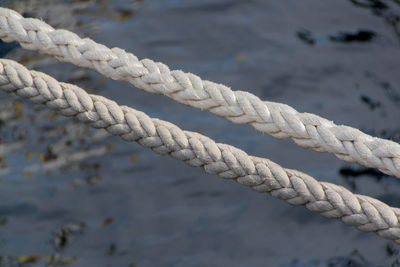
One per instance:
(262, 175)
(278, 120)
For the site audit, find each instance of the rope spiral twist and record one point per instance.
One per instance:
(329, 200)
(278, 120)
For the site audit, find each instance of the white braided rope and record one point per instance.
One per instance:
(263, 175)
(278, 120)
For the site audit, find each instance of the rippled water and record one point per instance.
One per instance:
(75, 196)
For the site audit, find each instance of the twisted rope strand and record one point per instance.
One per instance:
(329, 200)
(278, 120)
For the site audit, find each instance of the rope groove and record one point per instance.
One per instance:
(262, 175)
(278, 120)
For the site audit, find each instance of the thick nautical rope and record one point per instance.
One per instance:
(263, 175)
(278, 120)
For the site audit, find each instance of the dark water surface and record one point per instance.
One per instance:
(75, 196)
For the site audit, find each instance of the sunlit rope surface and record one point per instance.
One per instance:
(279, 120)
(329, 200)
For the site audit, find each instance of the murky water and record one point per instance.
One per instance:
(75, 196)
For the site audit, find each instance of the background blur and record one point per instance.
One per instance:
(70, 195)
